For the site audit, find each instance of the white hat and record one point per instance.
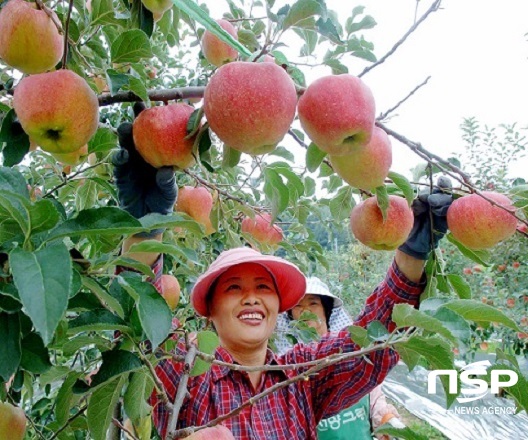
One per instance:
(314, 286)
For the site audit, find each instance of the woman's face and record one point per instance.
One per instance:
(312, 303)
(244, 306)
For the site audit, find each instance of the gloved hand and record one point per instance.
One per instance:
(427, 207)
(142, 189)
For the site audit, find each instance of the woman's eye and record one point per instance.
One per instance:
(263, 286)
(233, 287)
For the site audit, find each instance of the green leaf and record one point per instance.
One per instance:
(154, 313)
(479, 312)
(134, 264)
(479, 256)
(376, 331)
(359, 335)
(12, 181)
(10, 350)
(405, 186)
(15, 139)
(108, 300)
(462, 288)
(277, 193)
(382, 198)
(314, 157)
(517, 391)
(137, 86)
(328, 29)
(66, 398)
(403, 433)
(437, 352)
(301, 10)
(457, 325)
(366, 22)
(97, 320)
(73, 345)
(207, 343)
(103, 13)
(230, 157)
(43, 280)
(116, 80)
(131, 47)
(337, 67)
(115, 363)
(137, 394)
(97, 221)
(173, 220)
(341, 205)
(101, 407)
(16, 208)
(43, 216)
(35, 357)
(284, 153)
(197, 13)
(405, 315)
(248, 39)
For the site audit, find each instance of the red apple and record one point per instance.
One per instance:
(12, 422)
(29, 40)
(484, 346)
(368, 166)
(522, 227)
(501, 267)
(217, 432)
(197, 203)
(215, 50)
(262, 230)
(478, 224)
(368, 226)
(477, 269)
(467, 271)
(510, 303)
(516, 265)
(58, 110)
(170, 290)
(338, 112)
(159, 135)
(250, 106)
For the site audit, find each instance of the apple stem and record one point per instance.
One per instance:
(48, 11)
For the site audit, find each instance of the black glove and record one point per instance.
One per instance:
(427, 207)
(142, 189)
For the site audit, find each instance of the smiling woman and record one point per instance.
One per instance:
(242, 293)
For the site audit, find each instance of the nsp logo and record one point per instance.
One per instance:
(474, 369)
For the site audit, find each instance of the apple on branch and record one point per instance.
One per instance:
(12, 422)
(58, 110)
(338, 112)
(29, 40)
(478, 224)
(73, 158)
(215, 50)
(250, 106)
(262, 229)
(197, 203)
(368, 226)
(368, 166)
(160, 136)
(157, 7)
(170, 290)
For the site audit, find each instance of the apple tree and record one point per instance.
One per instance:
(259, 158)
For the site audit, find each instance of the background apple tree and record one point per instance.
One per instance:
(73, 352)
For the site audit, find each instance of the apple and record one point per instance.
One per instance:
(29, 40)
(250, 106)
(100, 84)
(58, 110)
(524, 321)
(484, 300)
(12, 422)
(151, 72)
(217, 432)
(160, 136)
(367, 225)
(478, 224)
(522, 227)
(522, 335)
(262, 229)
(367, 166)
(73, 158)
(157, 7)
(477, 269)
(484, 346)
(197, 203)
(501, 267)
(170, 290)
(215, 50)
(516, 265)
(338, 112)
(467, 271)
(510, 303)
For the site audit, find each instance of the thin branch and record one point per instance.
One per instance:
(181, 393)
(122, 428)
(71, 419)
(434, 7)
(50, 14)
(413, 91)
(68, 180)
(68, 18)
(162, 95)
(160, 389)
(236, 20)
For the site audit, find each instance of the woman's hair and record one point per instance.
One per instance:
(328, 305)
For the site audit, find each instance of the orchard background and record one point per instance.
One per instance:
(73, 333)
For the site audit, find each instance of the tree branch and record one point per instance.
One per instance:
(383, 116)
(68, 18)
(49, 13)
(434, 7)
(163, 95)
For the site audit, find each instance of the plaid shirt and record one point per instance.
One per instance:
(293, 411)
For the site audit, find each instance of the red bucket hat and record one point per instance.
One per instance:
(290, 281)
